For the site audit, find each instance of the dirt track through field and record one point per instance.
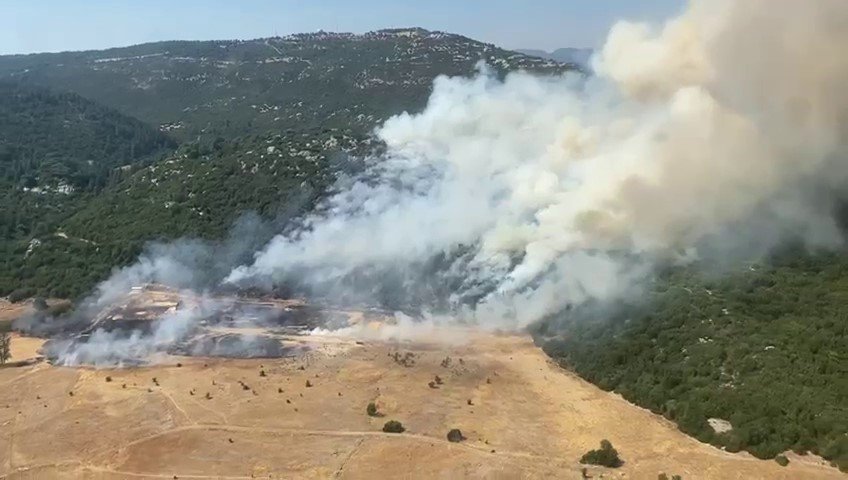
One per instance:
(527, 418)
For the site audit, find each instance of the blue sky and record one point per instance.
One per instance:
(54, 25)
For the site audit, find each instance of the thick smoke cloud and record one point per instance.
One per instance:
(716, 135)
(722, 131)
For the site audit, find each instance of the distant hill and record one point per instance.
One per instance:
(575, 56)
(231, 88)
(265, 125)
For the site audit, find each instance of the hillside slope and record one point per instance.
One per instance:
(762, 348)
(311, 98)
(57, 151)
(232, 88)
(576, 56)
(196, 192)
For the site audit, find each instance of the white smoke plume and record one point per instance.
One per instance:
(556, 191)
(117, 348)
(721, 132)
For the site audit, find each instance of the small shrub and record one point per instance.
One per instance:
(40, 304)
(438, 380)
(308, 384)
(108, 379)
(261, 373)
(455, 436)
(393, 426)
(781, 460)
(606, 456)
(371, 409)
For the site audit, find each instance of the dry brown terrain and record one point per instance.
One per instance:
(528, 419)
(10, 311)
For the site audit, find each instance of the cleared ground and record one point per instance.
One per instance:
(527, 419)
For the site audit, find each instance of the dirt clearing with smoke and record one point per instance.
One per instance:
(196, 417)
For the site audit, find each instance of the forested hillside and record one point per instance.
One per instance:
(233, 88)
(266, 126)
(197, 192)
(57, 151)
(763, 348)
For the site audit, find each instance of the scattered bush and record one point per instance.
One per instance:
(39, 304)
(393, 426)
(371, 409)
(455, 436)
(606, 456)
(308, 384)
(407, 359)
(781, 460)
(108, 379)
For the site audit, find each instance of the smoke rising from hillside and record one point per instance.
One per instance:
(716, 135)
(724, 127)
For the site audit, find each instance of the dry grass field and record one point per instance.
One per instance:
(523, 417)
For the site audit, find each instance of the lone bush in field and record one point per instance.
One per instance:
(393, 426)
(372, 409)
(606, 456)
(455, 436)
(5, 347)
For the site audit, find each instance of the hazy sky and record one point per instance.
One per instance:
(55, 25)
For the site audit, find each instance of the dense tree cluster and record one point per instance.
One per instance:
(763, 348)
(199, 192)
